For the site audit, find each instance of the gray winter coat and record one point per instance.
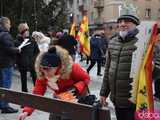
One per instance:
(116, 80)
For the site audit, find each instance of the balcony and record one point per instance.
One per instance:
(83, 7)
(99, 4)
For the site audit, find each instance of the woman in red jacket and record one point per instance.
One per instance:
(56, 71)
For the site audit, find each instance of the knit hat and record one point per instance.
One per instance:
(129, 12)
(132, 18)
(50, 58)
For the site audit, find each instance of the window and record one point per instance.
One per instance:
(148, 13)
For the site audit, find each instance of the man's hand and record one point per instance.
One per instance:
(19, 49)
(103, 101)
(22, 116)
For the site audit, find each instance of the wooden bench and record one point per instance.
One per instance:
(76, 111)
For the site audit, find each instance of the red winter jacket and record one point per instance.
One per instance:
(79, 79)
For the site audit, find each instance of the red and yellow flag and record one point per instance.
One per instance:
(73, 29)
(83, 36)
(144, 93)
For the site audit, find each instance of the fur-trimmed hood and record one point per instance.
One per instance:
(66, 63)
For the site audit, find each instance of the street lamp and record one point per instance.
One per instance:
(71, 18)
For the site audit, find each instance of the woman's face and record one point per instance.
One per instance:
(26, 34)
(49, 72)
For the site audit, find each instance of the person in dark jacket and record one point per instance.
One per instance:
(104, 48)
(156, 68)
(69, 43)
(7, 55)
(116, 80)
(96, 53)
(26, 58)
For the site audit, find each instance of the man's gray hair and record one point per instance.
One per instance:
(4, 20)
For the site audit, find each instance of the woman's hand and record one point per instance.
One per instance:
(53, 85)
(22, 116)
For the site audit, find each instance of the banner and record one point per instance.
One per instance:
(83, 37)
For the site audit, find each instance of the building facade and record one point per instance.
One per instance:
(78, 8)
(101, 11)
(147, 9)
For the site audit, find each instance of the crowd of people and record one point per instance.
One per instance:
(51, 64)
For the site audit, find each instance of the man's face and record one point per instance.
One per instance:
(126, 25)
(8, 25)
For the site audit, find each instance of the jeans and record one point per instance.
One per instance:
(5, 82)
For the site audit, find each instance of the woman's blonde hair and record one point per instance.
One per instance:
(22, 27)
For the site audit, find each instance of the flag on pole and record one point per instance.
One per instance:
(144, 95)
(73, 29)
(83, 36)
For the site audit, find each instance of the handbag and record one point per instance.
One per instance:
(89, 99)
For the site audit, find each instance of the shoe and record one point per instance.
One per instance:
(99, 74)
(9, 110)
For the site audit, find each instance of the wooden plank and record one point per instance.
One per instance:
(75, 111)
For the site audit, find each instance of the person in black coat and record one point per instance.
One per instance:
(25, 59)
(96, 53)
(69, 43)
(7, 59)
